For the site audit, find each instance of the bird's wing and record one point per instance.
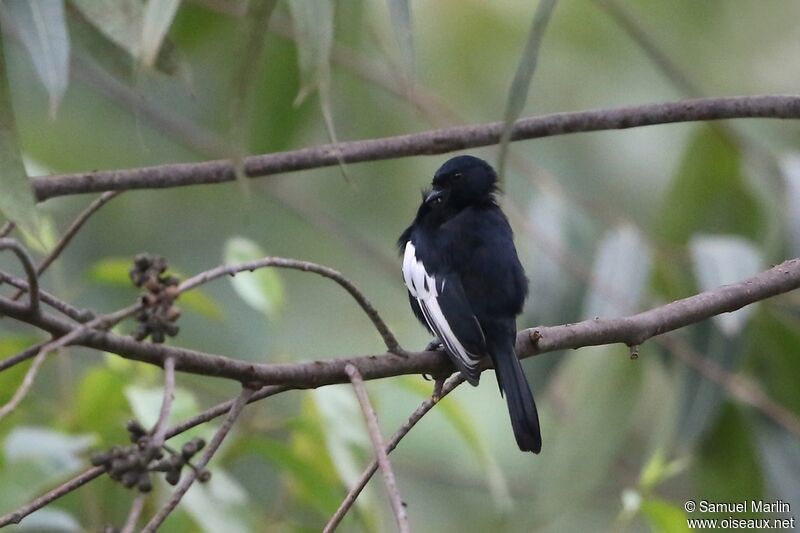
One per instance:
(448, 313)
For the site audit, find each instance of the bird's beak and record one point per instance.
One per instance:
(434, 195)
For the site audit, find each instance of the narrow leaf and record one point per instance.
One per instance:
(518, 93)
(157, 18)
(790, 167)
(457, 415)
(16, 201)
(664, 517)
(780, 459)
(313, 29)
(720, 260)
(261, 289)
(42, 28)
(619, 275)
(119, 20)
(400, 13)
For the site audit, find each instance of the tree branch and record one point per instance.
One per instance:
(425, 143)
(415, 417)
(632, 330)
(380, 448)
(192, 474)
(30, 272)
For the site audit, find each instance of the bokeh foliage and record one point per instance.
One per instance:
(607, 224)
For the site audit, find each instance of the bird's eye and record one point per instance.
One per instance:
(437, 200)
(457, 176)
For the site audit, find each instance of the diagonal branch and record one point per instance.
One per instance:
(192, 474)
(73, 230)
(381, 455)
(415, 417)
(424, 143)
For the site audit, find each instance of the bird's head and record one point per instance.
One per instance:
(461, 182)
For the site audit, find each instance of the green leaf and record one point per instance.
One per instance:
(220, 505)
(619, 275)
(455, 413)
(346, 437)
(111, 271)
(146, 405)
(790, 170)
(305, 477)
(119, 20)
(664, 517)
(720, 260)
(726, 466)
(520, 86)
(261, 289)
(42, 28)
(313, 28)
(710, 194)
(400, 13)
(780, 459)
(59, 452)
(100, 405)
(17, 201)
(156, 20)
(51, 519)
(701, 399)
(591, 430)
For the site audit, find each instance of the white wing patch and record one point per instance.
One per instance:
(423, 287)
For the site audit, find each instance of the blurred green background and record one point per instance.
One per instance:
(606, 223)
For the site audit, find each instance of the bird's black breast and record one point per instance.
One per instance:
(478, 246)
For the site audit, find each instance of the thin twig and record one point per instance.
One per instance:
(14, 517)
(191, 475)
(134, 514)
(73, 230)
(280, 262)
(74, 335)
(78, 315)
(381, 456)
(425, 143)
(415, 417)
(92, 473)
(30, 272)
(160, 429)
(24, 355)
(7, 228)
(25, 386)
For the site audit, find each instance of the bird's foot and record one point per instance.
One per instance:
(435, 346)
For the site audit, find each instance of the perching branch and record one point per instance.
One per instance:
(632, 330)
(424, 143)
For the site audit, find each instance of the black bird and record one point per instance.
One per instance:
(466, 284)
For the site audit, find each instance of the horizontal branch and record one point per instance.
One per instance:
(425, 143)
(632, 330)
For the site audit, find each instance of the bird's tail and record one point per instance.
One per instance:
(521, 406)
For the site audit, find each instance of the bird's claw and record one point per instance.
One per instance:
(434, 346)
